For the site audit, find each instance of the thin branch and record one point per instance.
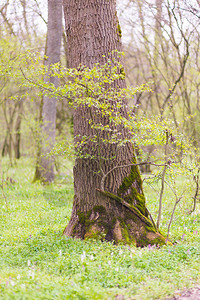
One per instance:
(163, 181)
(186, 56)
(196, 179)
(42, 87)
(168, 163)
(172, 216)
(178, 199)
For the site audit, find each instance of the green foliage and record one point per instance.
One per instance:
(97, 89)
(37, 262)
(92, 88)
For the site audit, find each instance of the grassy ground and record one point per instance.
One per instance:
(37, 262)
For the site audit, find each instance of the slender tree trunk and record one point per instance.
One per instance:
(158, 31)
(18, 130)
(45, 161)
(9, 115)
(113, 208)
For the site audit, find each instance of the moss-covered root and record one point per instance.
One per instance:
(150, 238)
(127, 229)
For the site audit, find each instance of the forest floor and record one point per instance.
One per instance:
(191, 294)
(38, 262)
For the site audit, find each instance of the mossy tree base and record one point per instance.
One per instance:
(121, 217)
(120, 225)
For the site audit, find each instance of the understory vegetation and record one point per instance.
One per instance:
(38, 262)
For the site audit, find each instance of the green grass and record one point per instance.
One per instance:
(38, 262)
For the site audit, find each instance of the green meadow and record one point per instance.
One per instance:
(38, 262)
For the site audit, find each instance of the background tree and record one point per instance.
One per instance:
(20, 30)
(45, 163)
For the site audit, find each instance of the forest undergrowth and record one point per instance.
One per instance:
(38, 262)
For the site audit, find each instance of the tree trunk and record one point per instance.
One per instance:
(18, 130)
(114, 208)
(45, 161)
(9, 115)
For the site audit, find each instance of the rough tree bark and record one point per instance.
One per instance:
(115, 211)
(45, 162)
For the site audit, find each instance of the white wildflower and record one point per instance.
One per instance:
(31, 274)
(12, 282)
(83, 256)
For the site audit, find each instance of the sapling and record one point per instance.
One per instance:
(177, 200)
(2, 189)
(163, 178)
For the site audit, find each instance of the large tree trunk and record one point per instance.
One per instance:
(45, 160)
(116, 209)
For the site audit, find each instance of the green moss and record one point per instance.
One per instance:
(124, 231)
(97, 229)
(148, 226)
(121, 221)
(129, 226)
(112, 196)
(74, 230)
(144, 241)
(88, 214)
(95, 235)
(81, 217)
(88, 222)
(130, 216)
(104, 224)
(126, 238)
(134, 195)
(158, 241)
(119, 31)
(84, 218)
(128, 186)
(150, 229)
(133, 177)
(114, 220)
(122, 72)
(100, 209)
(140, 199)
(132, 208)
